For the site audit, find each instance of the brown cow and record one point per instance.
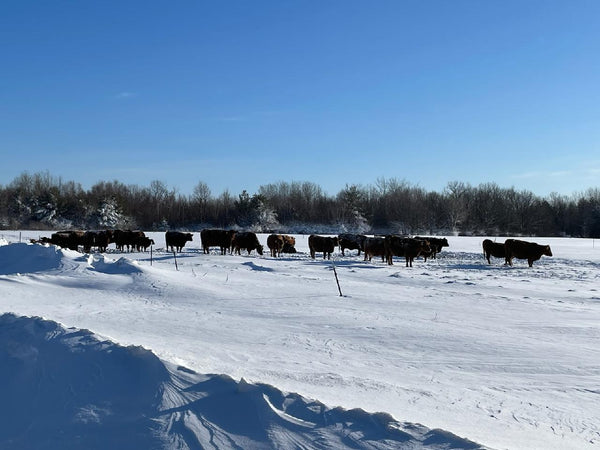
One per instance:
(525, 250)
(289, 244)
(436, 245)
(213, 237)
(408, 247)
(374, 246)
(246, 240)
(275, 242)
(281, 243)
(323, 244)
(491, 248)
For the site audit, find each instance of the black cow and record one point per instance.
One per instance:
(246, 240)
(491, 248)
(525, 250)
(127, 238)
(323, 244)
(98, 239)
(213, 237)
(143, 242)
(374, 246)
(89, 241)
(67, 239)
(176, 240)
(351, 242)
(103, 238)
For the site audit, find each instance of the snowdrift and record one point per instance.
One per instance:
(22, 258)
(68, 388)
(25, 258)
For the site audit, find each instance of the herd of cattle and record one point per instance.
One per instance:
(235, 241)
(123, 239)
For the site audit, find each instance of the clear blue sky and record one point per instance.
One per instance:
(238, 94)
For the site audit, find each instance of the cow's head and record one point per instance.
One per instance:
(259, 249)
(547, 251)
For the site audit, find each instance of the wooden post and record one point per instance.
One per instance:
(150, 255)
(175, 257)
(336, 278)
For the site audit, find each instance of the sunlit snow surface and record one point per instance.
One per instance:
(505, 357)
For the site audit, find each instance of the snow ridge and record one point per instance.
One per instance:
(69, 388)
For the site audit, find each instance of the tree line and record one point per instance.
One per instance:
(42, 201)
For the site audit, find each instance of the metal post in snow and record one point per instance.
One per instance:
(150, 255)
(175, 257)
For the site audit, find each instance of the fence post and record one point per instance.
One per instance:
(336, 278)
(175, 257)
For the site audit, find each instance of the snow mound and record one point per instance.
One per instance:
(29, 258)
(122, 266)
(68, 388)
(23, 258)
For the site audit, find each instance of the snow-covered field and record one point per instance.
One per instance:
(505, 357)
